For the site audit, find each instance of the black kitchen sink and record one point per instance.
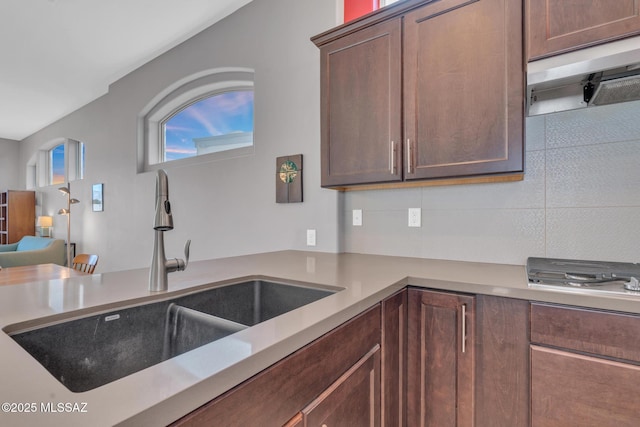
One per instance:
(91, 351)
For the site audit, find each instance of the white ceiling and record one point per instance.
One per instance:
(58, 55)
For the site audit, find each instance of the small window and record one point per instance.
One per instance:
(80, 162)
(223, 121)
(205, 117)
(58, 161)
(56, 165)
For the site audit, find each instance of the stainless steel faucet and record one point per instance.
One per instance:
(160, 266)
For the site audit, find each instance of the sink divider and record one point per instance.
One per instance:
(187, 329)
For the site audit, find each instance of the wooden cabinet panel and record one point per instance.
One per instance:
(502, 362)
(17, 215)
(608, 334)
(353, 400)
(361, 106)
(574, 390)
(440, 371)
(556, 26)
(463, 77)
(394, 341)
(273, 396)
(296, 421)
(421, 90)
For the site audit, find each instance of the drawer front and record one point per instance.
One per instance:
(568, 389)
(353, 400)
(607, 334)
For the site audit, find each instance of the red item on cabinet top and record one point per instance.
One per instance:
(356, 8)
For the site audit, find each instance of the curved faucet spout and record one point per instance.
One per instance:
(160, 266)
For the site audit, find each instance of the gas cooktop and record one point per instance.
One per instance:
(602, 276)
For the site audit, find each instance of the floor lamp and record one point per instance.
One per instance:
(67, 211)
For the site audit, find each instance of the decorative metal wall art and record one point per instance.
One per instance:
(289, 179)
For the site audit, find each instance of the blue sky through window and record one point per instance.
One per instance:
(57, 164)
(221, 114)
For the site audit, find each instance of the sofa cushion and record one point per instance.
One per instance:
(30, 243)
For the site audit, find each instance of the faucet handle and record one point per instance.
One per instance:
(186, 253)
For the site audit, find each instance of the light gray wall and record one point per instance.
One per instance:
(226, 207)
(9, 166)
(580, 199)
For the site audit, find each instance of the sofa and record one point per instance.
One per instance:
(32, 250)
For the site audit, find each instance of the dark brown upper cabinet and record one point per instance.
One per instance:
(361, 100)
(423, 90)
(556, 26)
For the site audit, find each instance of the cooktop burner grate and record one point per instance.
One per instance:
(616, 277)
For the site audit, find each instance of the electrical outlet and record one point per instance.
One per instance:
(415, 217)
(357, 217)
(311, 237)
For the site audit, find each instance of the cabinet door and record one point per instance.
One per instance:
(353, 400)
(556, 26)
(440, 371)
(361, 106)
(502, 362)
(574, 390)
(464, 94)
(394, 356)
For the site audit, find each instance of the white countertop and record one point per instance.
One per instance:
(162, 393)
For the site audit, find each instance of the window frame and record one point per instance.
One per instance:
(39, 171)
(177, 97)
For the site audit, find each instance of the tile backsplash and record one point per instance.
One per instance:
(580, 198)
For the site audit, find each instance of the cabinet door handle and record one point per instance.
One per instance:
(409, 157)
(464, 328)
(392, 158)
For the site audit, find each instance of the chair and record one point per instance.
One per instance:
(85, 263)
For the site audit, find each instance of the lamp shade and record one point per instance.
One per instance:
(44, 221)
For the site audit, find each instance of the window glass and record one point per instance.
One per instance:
(223, 121)
(56, 165)
(80, 171)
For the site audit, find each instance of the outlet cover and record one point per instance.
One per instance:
(357, 217)
(311, 237)
(415, 217)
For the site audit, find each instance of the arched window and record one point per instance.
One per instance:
(222, 121)
(201, 118)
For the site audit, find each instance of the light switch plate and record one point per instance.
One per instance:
(415, 217)
(357, 217)
(311, 237)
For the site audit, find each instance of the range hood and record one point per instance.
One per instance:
(598, 75)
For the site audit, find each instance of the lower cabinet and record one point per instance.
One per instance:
(569, 389)
(502, 362)
(468, 360)
(440, 359)
(324, 380)
(431, 358)
(584, 367)
(353, 400)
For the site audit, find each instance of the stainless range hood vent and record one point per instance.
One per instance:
(617, 90)
(600, 75)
